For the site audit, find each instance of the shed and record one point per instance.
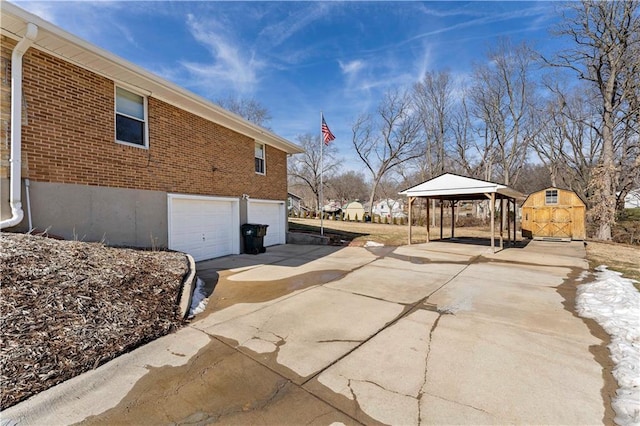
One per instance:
(554, 213)
(353, 210)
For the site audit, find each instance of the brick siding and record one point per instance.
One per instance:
(68, 137)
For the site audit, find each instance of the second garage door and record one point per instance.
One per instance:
(272, 213)
(204, 227)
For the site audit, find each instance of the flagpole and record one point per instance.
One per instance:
(321, 201)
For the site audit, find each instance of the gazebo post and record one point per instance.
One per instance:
(501, 222)
(410, 203)
(493, 225)
(515, 221)
(428, 220)
(508, 222)
(453, 211)
(441, 215)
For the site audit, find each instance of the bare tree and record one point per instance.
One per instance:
(347, 186)
(605, 38)
(434, 99)
(551, 139)
(389, 139)
(502, 97)
(249, 109)
(534, 178)
(462, 136)
(568, 142)
(306, 167)
(472, 153)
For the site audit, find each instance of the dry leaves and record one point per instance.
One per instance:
(67, 307)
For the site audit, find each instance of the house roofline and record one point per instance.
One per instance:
(107, 64)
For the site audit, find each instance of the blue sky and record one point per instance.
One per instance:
(300, 58)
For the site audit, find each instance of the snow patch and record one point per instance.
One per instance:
(614, 303)
(583, 276)
(199, 300)
(373, 244)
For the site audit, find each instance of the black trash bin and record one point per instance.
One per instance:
(253, 235)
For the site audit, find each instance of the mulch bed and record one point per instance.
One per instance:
(67, 307)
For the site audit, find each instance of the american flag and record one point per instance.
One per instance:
(327, 136)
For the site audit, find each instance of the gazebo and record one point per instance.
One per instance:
(454, 188)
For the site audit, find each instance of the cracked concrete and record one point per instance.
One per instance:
(316, 315)
(437, 333)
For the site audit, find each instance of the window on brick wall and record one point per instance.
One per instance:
(260, 158)
(131, 118)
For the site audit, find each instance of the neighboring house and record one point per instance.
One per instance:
(353, 211)
(389, 208)
(332, 207)
(554, 213)
(632, 200)
(295, 204)
(113, 152)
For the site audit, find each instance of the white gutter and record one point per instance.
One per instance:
(17, 214)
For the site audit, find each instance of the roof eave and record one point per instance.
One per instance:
(156, 87)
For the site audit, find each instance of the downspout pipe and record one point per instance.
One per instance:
(15, 195)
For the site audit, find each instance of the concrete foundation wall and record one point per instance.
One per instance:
(5, 208)
(118, 217)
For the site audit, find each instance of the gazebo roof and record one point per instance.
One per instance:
(450, 186)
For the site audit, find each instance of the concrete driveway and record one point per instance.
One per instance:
(437, 333)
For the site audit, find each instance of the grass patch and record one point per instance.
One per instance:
(357, 233)
(335, 235)
(617, 257)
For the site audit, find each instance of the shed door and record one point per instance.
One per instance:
(552, 222)
(272, 213)
(204, 227)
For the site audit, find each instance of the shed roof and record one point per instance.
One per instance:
(557, 188)
(353, 205)
(59, 43)
(450, 186)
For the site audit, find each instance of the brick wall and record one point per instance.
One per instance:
(6, 47)
(68, 137)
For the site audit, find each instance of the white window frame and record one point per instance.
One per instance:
(264, 158)
(549, 196)
(145, 106)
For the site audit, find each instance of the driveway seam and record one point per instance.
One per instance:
(299, 386)
(409, 308)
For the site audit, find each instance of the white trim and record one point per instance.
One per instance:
(203, 197)
(451, 184)
(261, 200)
(145, 106)
(264, 158)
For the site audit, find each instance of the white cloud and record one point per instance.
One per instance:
(45, 10)
(232, 64)
(296, 21)
(93, 21)
(351, 67)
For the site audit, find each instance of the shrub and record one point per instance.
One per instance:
(469, 221)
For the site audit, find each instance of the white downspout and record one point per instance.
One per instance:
(17, 214)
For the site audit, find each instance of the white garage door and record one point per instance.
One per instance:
(204, 227)
(272, 213)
